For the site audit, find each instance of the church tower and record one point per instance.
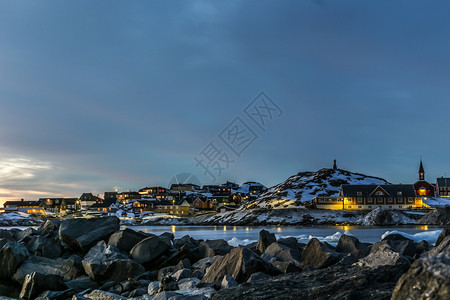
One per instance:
(421, 171)
(334, 165)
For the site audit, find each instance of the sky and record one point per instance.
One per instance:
(104, 95)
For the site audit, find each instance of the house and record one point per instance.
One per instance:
(202, 203)
(108, 207)
(144, 204)
(218, 194)
(225, 208)
(156, 192)
(59, 205)
(443, 187)
(30, 207)
(180, 208)
(184, 187)
(422, 187)
(368, 197)
(88, 199)
(110, 195)
(125, 197)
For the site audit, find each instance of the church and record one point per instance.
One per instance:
(422, 187)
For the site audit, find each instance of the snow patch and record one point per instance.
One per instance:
(429, 236)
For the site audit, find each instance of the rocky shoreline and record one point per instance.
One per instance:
(93, 259)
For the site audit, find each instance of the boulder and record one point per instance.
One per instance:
(257, 276)
(173, 258)
(188, 283)
(210, 248)
(427, 278)
(183, 264)
(65, 268)
(168, 284)
(265, 239)
(439, 216)
(164, 272)
(201, 265)
(290, 242)
(445, 233)
(12, 254)
(240, 263)
(186, 241)
(7, 234)
(48, 226)
(46, 246)
(102, 295)
(182, 274)
(153, 287)
(126, 239)
(286, 266)
(168, 235)
(283, 253)
(35, 283)
(81, 283)
(385, 217)
(318, 255)
(444, 246)
(351, 245)
(3, 242)
(228, 282)
(56, 295)
(82, 234)
(397, 243)
(384, 255)
(106, 263)
(25, 235)
(149, 249)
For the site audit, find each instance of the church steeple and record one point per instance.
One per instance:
(421, 171)
(334, 165)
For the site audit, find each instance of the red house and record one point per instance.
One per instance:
(422, 187)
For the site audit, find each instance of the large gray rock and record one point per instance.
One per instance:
(397, 243)
(384, 255)
(102, 295)
(82, 234)
(44, 245)
(444, 246)
(445, 233)
(439, 216)
(126, 239)
(283, 253)
(149, 249)
(35, 283)
(11, 256)
(106, 263)
(351, 245)
(385, 217)
(81, 284)
(7, 234)
(265, 239)
(240, 263)
(427, 278)
(65, 268)
(228, 282)
(182, 274)
(25, 235)
(210, 248)
(318, 255)
(49, 226)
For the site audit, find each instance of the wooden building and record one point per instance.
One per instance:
(368, 197)
(443, 187)
(422, 187)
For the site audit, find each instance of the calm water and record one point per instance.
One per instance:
(327, 233)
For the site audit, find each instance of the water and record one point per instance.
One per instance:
(246, 234)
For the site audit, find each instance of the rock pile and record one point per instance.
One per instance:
(93, 259)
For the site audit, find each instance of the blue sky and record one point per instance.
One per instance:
(97, 95)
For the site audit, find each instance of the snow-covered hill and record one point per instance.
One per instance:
(306, 185)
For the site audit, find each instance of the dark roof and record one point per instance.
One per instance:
(106, 203)
(443, 182)
(22, 203)
(351, 190)
(421, 170)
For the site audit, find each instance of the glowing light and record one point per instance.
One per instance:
(234, 228)
(279, 229)
(173, 228)
(224, 228)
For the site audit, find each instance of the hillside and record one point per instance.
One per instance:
(304, 186)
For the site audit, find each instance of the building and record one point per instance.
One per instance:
(218, 194)
(368, 197)
(30, 207)
(422, 187)
(202, 203)
(144, 204)
(108, 207)
(181, 208)
(156, 192)
(184, 187)
(125, 197)
(59, 205)
(88, 199)
(443, 187)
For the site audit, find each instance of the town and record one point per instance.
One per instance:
(187, 199)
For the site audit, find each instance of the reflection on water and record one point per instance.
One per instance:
(363, 233)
